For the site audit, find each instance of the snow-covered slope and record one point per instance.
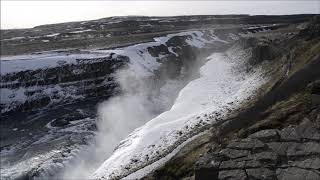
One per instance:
(141, 100)
(223, 85)
(143, 64)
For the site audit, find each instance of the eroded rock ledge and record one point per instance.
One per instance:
(290, 153)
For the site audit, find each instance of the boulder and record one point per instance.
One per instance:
(266, 135)
(260, 173)
(233, 174)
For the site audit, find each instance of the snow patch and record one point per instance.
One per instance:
(82, 31)
(52, 35)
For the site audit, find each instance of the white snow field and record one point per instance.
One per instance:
(222, 86)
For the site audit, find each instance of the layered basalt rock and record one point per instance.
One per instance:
(88, 78)
(290, 153)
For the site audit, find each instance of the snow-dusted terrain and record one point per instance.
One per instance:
(141, 62)
(222, 87)
(141, 58)
(119, 97)
(34, 70)
(121, 115)
(141, 67)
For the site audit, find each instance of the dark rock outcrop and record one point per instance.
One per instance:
(313, 29)
(290, 153)
(264, 50)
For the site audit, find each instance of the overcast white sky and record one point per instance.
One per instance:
(25, 14)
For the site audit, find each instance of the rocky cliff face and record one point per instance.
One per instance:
(65, 83)
(282, 142)
(277, 135)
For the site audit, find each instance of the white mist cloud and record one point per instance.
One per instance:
(120, 115)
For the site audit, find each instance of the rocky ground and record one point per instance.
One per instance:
(289, 153)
